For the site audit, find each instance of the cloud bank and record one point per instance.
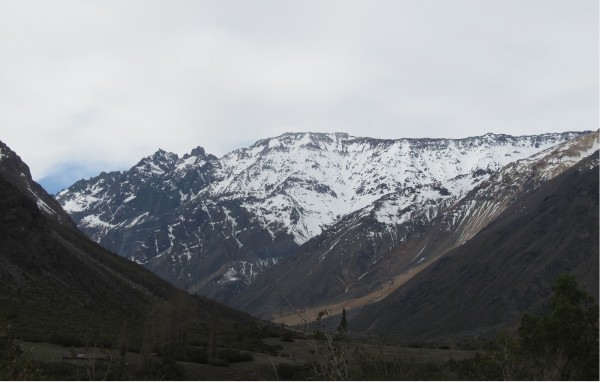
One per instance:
(96, 85)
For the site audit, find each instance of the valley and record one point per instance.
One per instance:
(306, 315)
(292, 359)
(242, 267)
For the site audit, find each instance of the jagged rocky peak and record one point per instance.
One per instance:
(164, 156)
(86, 184)
(198, 151)
(157, 164)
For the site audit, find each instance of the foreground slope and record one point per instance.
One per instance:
(503, 271)
(359, 259)
(213, 224)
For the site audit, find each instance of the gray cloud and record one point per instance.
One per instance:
(103, 83)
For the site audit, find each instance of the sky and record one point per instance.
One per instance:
(95, 85)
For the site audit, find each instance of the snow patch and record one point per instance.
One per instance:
(129, 199)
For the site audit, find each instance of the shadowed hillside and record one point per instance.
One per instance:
(505, 270)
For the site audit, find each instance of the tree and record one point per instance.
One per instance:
(214, 332)
(343, 326)
(564, 344)
(14, 364)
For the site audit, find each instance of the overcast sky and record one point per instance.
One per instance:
(92, 85)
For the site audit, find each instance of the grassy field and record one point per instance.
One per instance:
(286, 360)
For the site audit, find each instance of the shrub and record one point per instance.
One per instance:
(287, 336)
(235, 356)
(289, 371)
(164, 369)
(564, 344)
(218, 362)
(197, 355)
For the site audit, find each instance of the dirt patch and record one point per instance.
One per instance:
(309, 314)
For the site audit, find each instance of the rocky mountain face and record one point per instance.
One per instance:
(508, 267)
(360, 259)
(213, 225)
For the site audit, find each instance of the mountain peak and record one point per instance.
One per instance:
(198, 151)
(157, 164)
(161, 154)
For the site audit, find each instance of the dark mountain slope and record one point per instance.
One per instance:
(53, 278)
(56, 283)
(505, 270)
(15, 171)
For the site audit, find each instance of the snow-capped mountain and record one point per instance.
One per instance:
(303, 182)
(213, 224)
(375, 249)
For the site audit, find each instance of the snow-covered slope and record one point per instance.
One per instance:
(492, 197)
(305, 181)
(366, 251)
(212, 225)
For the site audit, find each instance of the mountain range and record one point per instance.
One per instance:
(415, 238)
(214, 225)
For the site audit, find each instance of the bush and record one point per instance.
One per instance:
(289, 371)
(66, 340)
(197, 355)
(218, 362)
(272, 350)
(165, 369)
(235, 356)
(564, 344)
(287, 336)
(14, 364)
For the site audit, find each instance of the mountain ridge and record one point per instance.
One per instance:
(506, 269)
(339, 265)
(213, 224)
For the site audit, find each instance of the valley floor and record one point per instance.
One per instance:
(292, 360)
